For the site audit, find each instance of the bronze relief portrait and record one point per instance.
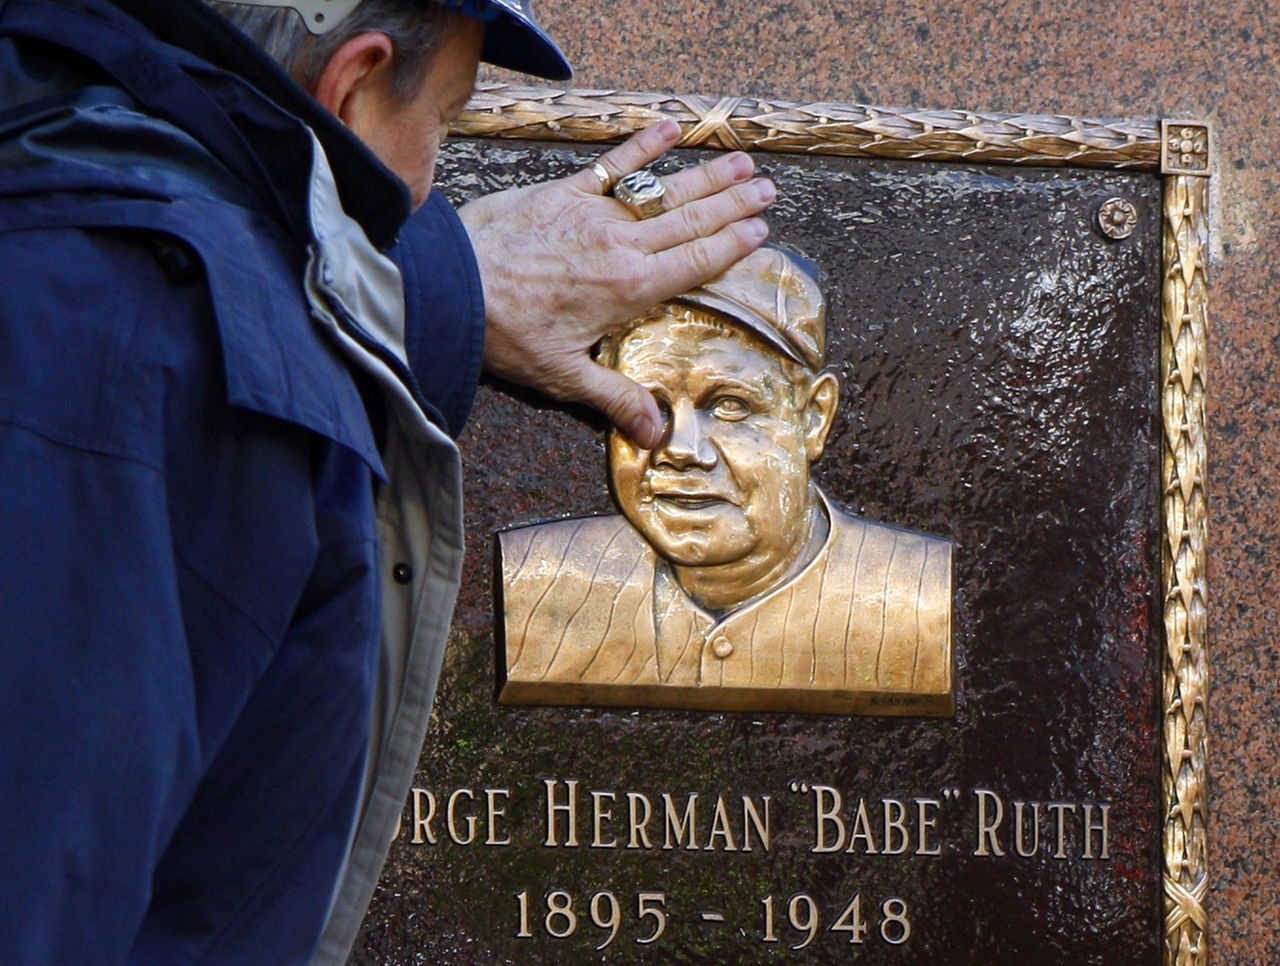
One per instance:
(729, 580)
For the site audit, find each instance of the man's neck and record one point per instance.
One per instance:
(727, 587)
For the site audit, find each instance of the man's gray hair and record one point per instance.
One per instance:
(417, 29)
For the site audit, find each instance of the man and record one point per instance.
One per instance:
(729, 581)
(224, 457)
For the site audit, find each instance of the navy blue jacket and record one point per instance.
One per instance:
(188, 570)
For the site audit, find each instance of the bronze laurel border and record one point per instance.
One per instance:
(743, 123)
(1179, 150)
(1184, 338)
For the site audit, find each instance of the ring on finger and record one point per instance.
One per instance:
(603, 175)
(641, 192)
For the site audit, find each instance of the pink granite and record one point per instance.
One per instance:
(1083, 57)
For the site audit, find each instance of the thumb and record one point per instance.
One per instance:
(627, 404)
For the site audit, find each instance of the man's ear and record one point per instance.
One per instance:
(355, 81)
(820, 413)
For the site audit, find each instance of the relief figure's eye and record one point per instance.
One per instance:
(730, 408)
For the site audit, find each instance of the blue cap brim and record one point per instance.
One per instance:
(521, 45)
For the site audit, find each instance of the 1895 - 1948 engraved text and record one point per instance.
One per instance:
(829, 822)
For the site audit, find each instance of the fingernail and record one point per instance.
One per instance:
(766, 191)
(643, 431)
(741, 166)
(669, 129)
(757, 230)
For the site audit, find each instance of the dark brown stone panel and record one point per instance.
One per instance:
(998, 362)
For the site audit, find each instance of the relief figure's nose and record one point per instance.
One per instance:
(684, 445)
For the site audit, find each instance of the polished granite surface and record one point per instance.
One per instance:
(1143, 59)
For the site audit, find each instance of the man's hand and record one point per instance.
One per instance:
(563, 265)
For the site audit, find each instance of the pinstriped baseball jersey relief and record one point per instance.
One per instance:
(592, 615)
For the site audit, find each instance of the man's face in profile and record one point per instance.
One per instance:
(729, 482)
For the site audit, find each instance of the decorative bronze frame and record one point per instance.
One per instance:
(1180, 152)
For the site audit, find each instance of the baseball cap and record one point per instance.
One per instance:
(775, 295)
(512, 38)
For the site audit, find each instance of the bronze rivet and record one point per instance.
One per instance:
(1116, 218)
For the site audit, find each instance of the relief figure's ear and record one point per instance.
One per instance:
(820, 413)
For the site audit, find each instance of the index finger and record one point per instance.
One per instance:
(631, 155)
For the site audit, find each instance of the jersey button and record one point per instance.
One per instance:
(402, 573)
(721, 646)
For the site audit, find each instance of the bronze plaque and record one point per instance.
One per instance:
(729, 581)
(1015, 325)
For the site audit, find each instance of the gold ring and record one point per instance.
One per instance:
(602, 173)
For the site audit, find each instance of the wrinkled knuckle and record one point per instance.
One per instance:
(700, 261)
(693, 222)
